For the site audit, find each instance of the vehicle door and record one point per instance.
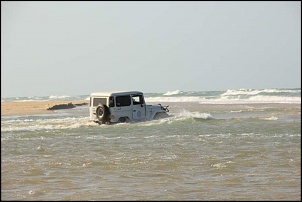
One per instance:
(139, 107)
(123, 106)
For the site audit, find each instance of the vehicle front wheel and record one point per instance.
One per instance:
(122, 120)
(160, 115)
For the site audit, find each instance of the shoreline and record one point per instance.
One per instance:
(37, 107)
(48, 107)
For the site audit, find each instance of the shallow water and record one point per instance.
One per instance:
(200, 152)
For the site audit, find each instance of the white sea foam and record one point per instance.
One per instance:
(46, 124)
(281, 91)
(173, 92)
(242, 91)
(174, 99)
(199, 115)
(182, 115)
(230, 96)
(58, 96)
(272, 118)
(227, 99)
(274, 99)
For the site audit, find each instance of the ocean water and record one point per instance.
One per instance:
(216, 145)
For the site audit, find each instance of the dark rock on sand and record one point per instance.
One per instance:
(80, 104)
(62, 106)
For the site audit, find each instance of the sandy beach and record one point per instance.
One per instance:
(36, 107)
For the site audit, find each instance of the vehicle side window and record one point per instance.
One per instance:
(137, 99)
(111, 101)
(122, 101)
(97, 101)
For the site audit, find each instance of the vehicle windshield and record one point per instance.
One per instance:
(138, 99)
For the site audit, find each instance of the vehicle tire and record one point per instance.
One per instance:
(102, 114)
(122, 120)
(160, 115)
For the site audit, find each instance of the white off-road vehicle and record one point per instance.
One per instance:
(123, 106)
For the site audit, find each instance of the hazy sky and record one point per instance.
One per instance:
(75, 48)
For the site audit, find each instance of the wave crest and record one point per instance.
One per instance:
(176, 92)
(198, 115)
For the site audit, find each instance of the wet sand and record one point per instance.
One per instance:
(37, 107)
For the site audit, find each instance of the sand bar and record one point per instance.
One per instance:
(36, 107)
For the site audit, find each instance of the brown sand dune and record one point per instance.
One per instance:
(37, 107)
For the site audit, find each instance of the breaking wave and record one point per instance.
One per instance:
(176, 92)
(230, 96)
(241, 96)
(44, 124)
(14, 124)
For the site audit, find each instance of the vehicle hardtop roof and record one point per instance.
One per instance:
(114, 93)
